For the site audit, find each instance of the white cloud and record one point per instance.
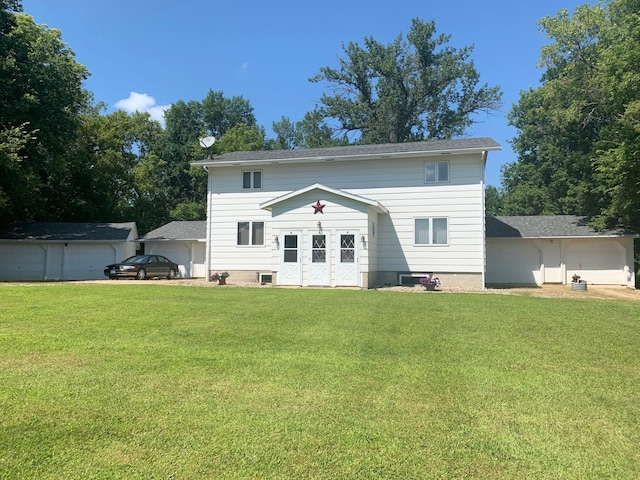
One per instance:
(141, 102)
(245, 66)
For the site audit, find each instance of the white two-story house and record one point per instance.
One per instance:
(358, 216)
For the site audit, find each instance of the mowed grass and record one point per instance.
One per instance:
(155, 381)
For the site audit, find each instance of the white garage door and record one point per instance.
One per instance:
(515, 262)
(87, 261)
(596, 261)
(22, 262)
(179, 253)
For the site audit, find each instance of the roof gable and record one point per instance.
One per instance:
(318, 186)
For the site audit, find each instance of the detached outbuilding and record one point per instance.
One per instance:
(42, 251)
(183, 243)
(536, 250)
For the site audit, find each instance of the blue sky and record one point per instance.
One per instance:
(148, 54)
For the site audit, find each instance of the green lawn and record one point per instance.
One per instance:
(156, 381)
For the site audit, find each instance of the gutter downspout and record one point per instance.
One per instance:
(208, 242)
(484, 219)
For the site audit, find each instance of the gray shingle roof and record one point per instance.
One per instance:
(67, 231)
(546, 226)
(435, 146)
(196, 230)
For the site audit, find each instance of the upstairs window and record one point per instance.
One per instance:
(431, 231)
(436, 172)
(252, 179)
(250, 233)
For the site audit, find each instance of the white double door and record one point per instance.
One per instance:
(323, 253)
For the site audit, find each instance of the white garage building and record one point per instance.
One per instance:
(181, 242)
(534, 250)
(43, 251)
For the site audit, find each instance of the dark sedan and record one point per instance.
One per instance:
(142, 267)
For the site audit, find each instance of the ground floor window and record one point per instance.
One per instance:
(431, 231)
(250, 233)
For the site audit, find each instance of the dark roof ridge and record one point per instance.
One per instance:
(431, 146)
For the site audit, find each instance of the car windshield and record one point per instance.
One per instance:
(136, 259)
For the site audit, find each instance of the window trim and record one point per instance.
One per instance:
(431, 243)
(437, 172)
(252, 178)
(251, 230)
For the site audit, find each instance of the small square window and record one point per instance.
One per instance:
(252, 179)
(250, 233)
(431, 231)
(436, 172)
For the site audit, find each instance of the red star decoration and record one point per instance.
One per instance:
(317, 207)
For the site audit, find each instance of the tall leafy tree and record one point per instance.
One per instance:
(311, 132)
(578, 137)
(41, 96)
(221, 113)
(117, 175)
(414, 89)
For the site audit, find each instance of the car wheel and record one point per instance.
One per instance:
(142, 274)
(172, 274)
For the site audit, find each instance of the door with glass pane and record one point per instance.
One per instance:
(319, 264)
(347, 269)
(290, 266)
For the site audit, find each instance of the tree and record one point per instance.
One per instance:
(492, 201)
(578, 142)
(310, 132)
(117, 176)
(285, 131)
(41, 96)
(221, 114)
(410, 90)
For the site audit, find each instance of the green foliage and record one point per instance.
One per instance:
(407, 90)
(41, 95)
(492, 201)
(12, 179)
(578, 142)
(189, 211)
(242, 138)
(157, 381)
(310, 132)
(220, 114)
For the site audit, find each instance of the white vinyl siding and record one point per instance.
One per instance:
(398, 185)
